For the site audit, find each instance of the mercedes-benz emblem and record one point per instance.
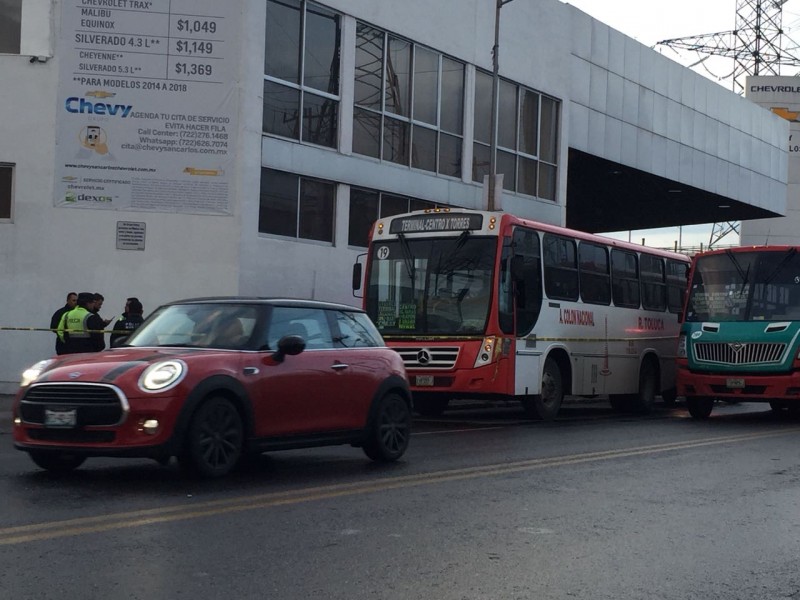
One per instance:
(423, 357)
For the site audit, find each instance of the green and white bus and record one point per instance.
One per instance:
(740, 332)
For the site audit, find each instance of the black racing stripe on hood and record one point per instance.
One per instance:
(124, 367)
(49, 371)
(119, 370)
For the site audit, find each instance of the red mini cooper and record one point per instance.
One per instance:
(211, 380)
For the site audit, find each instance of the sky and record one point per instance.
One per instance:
(650, 22)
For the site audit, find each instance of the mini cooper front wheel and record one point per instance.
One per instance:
(214, 439)
(56, 462)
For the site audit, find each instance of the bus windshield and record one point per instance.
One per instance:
(746, 286)
(431, 286)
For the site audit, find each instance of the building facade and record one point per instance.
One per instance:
(781, 96)
(191, 148)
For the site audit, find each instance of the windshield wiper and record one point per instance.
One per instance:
(742, 273)
(178, 346)
(408, 257)
(451, 260)
(462, 239)
(779, 267)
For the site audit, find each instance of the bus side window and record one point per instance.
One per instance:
(528, 282)
(677, 272)
(653, 283)
(594, 274)
(560, 268)
(624, 279)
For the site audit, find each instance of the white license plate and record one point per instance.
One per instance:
(736, 383)
(60, 418)
(424, 380)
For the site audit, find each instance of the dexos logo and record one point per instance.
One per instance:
(72, 197)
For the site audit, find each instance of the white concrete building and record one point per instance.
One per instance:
(174, 149)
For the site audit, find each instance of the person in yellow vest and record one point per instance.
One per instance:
(80, 329)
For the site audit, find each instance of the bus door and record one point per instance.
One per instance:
(520, 298)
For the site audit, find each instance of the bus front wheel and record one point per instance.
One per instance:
(546, 405)
(699, 406)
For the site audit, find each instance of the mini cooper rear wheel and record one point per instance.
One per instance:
(56, 462)
(214, 439)
(389, 429)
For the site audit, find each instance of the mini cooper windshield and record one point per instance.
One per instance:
(206, 325)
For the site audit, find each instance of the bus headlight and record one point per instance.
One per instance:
(486, 352)
(682, 345)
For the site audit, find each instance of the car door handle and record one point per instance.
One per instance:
(250, 371)
(339, 366)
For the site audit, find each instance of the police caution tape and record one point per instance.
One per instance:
(56, 331)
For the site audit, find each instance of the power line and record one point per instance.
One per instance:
(756, 48)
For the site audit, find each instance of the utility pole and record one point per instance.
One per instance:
(494, 116)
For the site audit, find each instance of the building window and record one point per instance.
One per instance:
(6, 190)
(527, 137)
(295, 206)
(10, 20)
(409, 103)
(301, 72)
(366, 206)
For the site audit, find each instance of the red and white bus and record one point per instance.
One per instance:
(486, 305)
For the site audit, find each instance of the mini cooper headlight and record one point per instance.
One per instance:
(31, 374)
(163, 375)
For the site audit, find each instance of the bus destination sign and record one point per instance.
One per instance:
(436, 222)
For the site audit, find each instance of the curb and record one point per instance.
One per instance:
(6, 401)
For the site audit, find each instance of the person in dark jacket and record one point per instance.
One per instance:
(128, 322)
(72, 300)
(80, 329)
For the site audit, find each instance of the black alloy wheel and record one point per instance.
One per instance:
(215, 439)
(56, 462)
(389, 431)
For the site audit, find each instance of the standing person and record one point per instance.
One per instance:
(129, 321)
(72, 300)
(81, 330)
(98, 304)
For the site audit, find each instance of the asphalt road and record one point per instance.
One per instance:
(485, 505)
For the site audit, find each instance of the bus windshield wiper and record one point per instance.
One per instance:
(779, 267)
(462, 239)
(408, 257)
(742, 273)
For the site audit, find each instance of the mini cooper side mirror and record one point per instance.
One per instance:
(289, 345)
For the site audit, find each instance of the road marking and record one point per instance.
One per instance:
(118, 521)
